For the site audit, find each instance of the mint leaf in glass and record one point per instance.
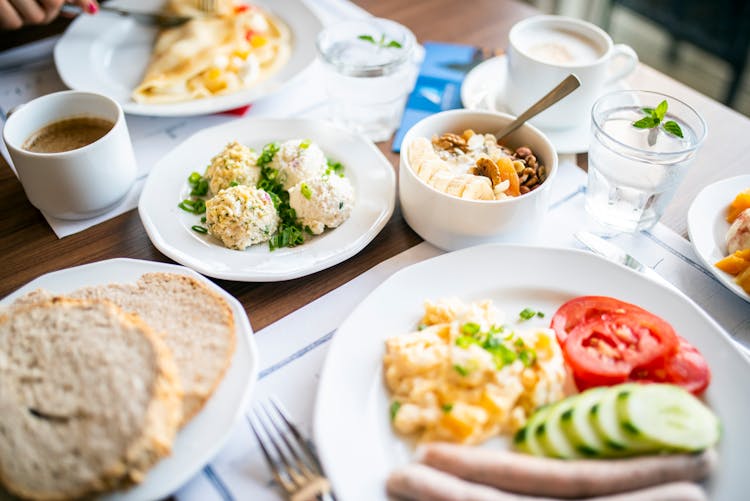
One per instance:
(646, 123)
(673, 128)
(367, 38)
(660, 110)
(383, 43)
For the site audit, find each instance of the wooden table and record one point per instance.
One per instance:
(30, 248)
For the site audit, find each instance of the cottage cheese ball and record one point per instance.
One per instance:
(241, 216)
(235, 164)
(297, 160)
(322, 202)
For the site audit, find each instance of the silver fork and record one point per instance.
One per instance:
(157, 19)
(290, 458)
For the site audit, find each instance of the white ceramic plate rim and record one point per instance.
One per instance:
(80, 40)
(707, 226)
(207, 432)
(373, 177)
(351, 426)
(478, 94)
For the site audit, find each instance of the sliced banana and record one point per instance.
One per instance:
(420, 150)
(429, 168)
(478, 188)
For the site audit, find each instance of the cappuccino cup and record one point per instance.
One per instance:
(543, 50)
(72, 153)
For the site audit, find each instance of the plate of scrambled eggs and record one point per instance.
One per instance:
(217, 62)
(458, 349)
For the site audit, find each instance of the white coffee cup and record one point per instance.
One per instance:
(75, 184)
(543, 50)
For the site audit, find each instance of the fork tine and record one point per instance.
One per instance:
(292, 470)
(282, 431)
(304, 444)
(272, 464)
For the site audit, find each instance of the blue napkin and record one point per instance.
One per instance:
(438, 85)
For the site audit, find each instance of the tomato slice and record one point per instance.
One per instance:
(586, 308)
(686, 368)
(607, 349)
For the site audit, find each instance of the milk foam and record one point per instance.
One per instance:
(558, 46)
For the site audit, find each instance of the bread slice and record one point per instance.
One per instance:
(89, 398)
(195, 323)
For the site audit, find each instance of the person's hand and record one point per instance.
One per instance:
(17, 13)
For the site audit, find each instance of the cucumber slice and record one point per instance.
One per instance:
(550, 433)
(669, 417)
(607, 424)
(576, 424)
(525, 439)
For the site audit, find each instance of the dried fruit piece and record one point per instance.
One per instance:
(739, 204)
(489, 169)
(736, 263)
(507, 171)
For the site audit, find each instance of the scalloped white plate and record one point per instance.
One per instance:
(108, 54)
(206, 433)
(707, 226)
(352, 427)
(169, 227)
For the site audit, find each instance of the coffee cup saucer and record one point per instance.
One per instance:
(484, 89)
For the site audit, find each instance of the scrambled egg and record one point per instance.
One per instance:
(463, 377)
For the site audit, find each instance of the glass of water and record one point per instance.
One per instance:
(634, 171)
(369, 72)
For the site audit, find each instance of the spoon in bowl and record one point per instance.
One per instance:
(564, 88)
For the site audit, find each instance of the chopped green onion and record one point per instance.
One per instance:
(466, 341)
(334, 168)
(395, 406)
(540, 314)
(199, 229)
(447, 407)
(470, 328)
(461, 370)
(203, 219)
(421, 327)
(527, 356)
(267, 154)
(341, 205)
(305, 190)
(527, 313)
(305, 144)
(233, 184)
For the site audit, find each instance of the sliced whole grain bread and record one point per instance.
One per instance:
(196, 324)
(89, 398)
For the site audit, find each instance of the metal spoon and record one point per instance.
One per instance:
(564, 88)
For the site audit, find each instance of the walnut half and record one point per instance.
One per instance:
(449, 141)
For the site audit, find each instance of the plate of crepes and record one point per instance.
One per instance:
(501, 373)
(118, 379)
(217, 61)
(267, 199)
(719, 227)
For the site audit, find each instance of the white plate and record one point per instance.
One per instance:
(484, 89)
(352, 427)
(205, 434)
(170, 227)
(108, 54)
(707, 226)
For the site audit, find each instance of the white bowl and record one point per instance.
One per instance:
(450, 222)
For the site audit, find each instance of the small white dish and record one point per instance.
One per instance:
(351, 421)
(451, 222)
(707, 226)
(169, 227)
(484, 89)
(108, 54)
(205, 434)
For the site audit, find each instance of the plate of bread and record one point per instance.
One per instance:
(118, 379)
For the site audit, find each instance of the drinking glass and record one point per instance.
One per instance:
(369, 72)
(634, 172)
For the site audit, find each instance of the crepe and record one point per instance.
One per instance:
(233, 49)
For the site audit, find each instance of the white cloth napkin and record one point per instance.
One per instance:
(293, 350)
(153, 137)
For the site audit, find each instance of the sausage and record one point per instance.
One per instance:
(417, 482)
(537, 476)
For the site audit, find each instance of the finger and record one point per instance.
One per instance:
(9, 18)
(51, 9)
(89, 6)
(30, 11)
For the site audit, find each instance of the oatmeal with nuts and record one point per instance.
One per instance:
(474, 166)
